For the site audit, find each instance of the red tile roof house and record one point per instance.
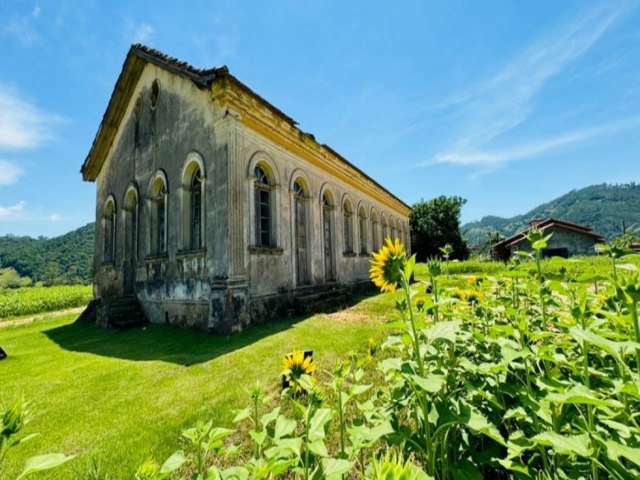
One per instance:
(568, 239)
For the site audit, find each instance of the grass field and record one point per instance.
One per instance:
(121, 397)
(34, 300)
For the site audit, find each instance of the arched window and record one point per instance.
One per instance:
(375, 238)
(159, 216)
(362, 220)
(327, 236)
(300, 232)
(348, 226)
(385, 230)
(263, 204)
(393, 229)
(110, 232)
(195, 210)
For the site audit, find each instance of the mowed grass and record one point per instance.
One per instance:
(122, 397)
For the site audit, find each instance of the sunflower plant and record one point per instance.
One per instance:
(297, 371)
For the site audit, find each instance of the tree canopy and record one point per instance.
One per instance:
(435, 223)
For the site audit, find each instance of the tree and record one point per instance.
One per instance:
(435, 223)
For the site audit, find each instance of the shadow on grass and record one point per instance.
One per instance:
(167, 343)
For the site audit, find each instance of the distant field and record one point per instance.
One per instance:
(33, 300)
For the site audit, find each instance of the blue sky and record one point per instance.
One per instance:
(507, 104)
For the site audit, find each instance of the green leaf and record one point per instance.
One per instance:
(478, 423)
(290, 445)
(581, 395)
(431, 384)
(173, 463)
(44, 462)
(219, 433)
(318, 421)
(242, 415)
(318, 447)
(616, 450)
(442, 331)
(258, 437)
(267, 418)
(235, 473)
(569, 445)
(284, 426)
(465, 470)
(358, 389)
(334, 468)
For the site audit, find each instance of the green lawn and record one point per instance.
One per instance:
(121, 397)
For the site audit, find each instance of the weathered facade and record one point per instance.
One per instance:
(568, 239)
(214, 209)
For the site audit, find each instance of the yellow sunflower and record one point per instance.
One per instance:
(298, 370)
(387, 265)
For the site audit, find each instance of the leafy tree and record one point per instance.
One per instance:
(51, 275)
(436, 223)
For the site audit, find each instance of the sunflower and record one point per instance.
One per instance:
(297, 371)
(387, 265)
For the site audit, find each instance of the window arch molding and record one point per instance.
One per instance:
(192, 195)
(263, 200)
(384, 227)
(109, 224)
(327, 190)
(158, 200)
(298, 176)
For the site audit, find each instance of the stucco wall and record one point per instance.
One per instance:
(227, 283)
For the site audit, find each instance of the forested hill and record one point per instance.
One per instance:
(59, 258)
(602, 207)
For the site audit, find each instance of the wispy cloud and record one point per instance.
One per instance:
(22, 124)
(138, 32)
(12, 212)
(505, 101)
(9, 173)
(54, 217)
(493, 158)
(21, 27)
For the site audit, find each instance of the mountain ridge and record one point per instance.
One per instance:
(603, 207)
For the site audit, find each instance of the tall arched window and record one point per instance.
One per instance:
(158, 216)
(348, 226)
(263, 214)
(393, 229)
(300, 232)
(375, 242)
(195, 210)
(109, 232)
(385, 230)
(362, 220)
(327, 236)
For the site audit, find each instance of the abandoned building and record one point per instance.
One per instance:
(214, 210)
(568, 239)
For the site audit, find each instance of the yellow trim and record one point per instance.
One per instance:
(276, 130)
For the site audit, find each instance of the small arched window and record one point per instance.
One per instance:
(348, 227)
(195, 210)
(362, 220)
(109, 232)
(263, 201)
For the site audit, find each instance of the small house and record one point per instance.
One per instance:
(568, 239)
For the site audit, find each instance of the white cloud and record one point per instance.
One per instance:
(505, 101)
(9, 173)
(531, 149)
(22, 124)
(12, 212)
(35, 13)
(139, 32)
(54, 217)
